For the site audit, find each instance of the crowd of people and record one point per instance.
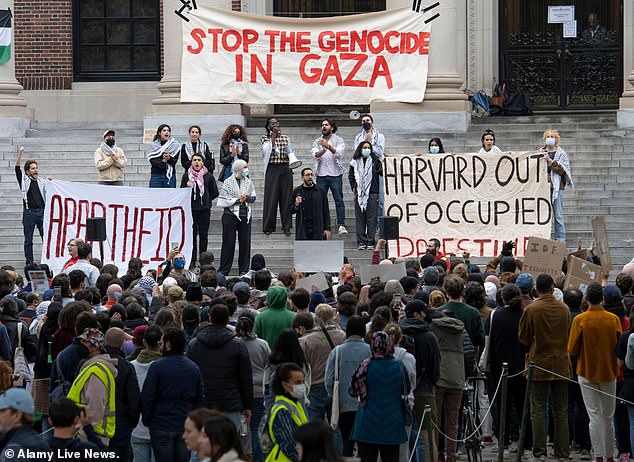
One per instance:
(175, 365)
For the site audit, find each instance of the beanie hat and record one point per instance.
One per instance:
(139, 334)
(393, 287)
(430, 276)
(194, 293)
(426, 260)
(508, 265)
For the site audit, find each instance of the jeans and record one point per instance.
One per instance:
(256, 415)
(539, 394)
(630, 413)
(558, 213)
(169, 446)
(142, 450)
(601, 414)
(335, 184)
(30, 219)
(161, 181)
(319, 403)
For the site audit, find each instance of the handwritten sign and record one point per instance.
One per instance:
(544, 256)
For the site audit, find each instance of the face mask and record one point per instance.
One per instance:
(434, 149)
(298, 391)
(245, 172)
(179, 264)
(110, 142)
(83, 351)
(365, 152)
(236, 136)
(366, 125)
(550, 141)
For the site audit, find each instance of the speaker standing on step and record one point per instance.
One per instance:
(96, 229)
(388, 228)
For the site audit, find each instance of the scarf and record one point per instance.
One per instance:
(382, 347)
(231, 190)
(562, 159)
(171, 146)
(201, 148)
(197, 177)
(363, 177)
(107, 150)
(26, 185)
(40, 312)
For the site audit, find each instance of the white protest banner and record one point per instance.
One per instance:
(469, 202)
(140, 222)
(232, 57)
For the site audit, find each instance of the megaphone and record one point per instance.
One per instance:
(293, 161)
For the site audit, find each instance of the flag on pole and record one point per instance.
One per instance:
(5, 36)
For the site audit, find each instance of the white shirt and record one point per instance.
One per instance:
(329, 164)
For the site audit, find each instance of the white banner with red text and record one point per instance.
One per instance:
(233, 57)
(471, 203)
(140, 222)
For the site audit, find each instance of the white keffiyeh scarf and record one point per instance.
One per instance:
(171, 146)
(363, 177)
(562, 159)
(201, 149)
(231, 190)
(107, 150)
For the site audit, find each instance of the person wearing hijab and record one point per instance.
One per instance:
(236, 197)
(379, 426)
(204, 191)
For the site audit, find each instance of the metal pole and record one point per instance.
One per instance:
(430, 434)
(523, 423)
(501, 429)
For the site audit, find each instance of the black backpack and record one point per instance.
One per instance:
(518, 105)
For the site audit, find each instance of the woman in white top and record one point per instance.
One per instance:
(488, 143)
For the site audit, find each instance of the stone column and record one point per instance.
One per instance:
(625, 114)
(167, 107)
(445, 107)
(15, 116)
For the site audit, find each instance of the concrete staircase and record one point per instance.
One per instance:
(600, 158)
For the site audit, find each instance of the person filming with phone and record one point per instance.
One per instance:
(309, 204)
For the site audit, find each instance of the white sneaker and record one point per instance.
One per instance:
(343, 230)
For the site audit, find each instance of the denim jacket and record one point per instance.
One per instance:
(351, 353)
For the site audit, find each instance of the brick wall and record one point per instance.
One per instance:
(43, 44)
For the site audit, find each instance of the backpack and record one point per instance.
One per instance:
(480, 104)
(264, 435)
(518, 104)
(20, 363)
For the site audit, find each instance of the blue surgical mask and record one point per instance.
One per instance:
(179, 263)
(245, 172)
(434, 149)
(550, 141)
(365, 152)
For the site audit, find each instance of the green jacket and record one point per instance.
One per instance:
(269, 323)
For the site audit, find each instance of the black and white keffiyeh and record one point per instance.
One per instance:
(230, 195)
(26, 185)
(201, 148)
(107, 150)
(171, 146)
(363, 177)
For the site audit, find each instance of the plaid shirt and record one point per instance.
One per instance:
(278, 153)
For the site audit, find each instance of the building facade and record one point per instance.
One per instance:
(119, 60)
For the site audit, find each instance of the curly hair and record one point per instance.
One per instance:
(226, 136)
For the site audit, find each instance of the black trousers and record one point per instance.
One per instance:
(200, 228)
(370, 452)
(231, 225)
(278, 186)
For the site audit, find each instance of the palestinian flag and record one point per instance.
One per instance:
(5, 36)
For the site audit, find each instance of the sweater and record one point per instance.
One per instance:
(593, 338)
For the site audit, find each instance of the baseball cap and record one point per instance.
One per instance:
(612, 295)
(18, 399)
(108, 131)
(241, 288)
(524, 281)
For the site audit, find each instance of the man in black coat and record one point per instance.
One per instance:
(127, 396)
(310, 203)
(224, 362)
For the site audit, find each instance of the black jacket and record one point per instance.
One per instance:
(210, 161)
(22, 437)
(127, 395)
(202, 202)
(427, 354)
(377, 171)
(224, 362)
(28, 343)
(226, 160)
(313, 214)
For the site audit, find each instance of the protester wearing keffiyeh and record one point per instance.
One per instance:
(163, 170)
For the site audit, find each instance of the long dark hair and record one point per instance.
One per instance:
(357, 152)
(158, 131)
(438, 142)
(318, 444)
(287, 350)
(222, 434)
(244, 326)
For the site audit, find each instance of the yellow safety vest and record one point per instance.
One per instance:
(297, 414)
(106, 427)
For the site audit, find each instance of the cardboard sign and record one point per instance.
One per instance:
(601, 241)
(148, 135)
(39, 282)
(583, 254)
(383, 272)
(544, 256)
(317, 279)
(581, 273)
(469, 202)
(314, 256)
